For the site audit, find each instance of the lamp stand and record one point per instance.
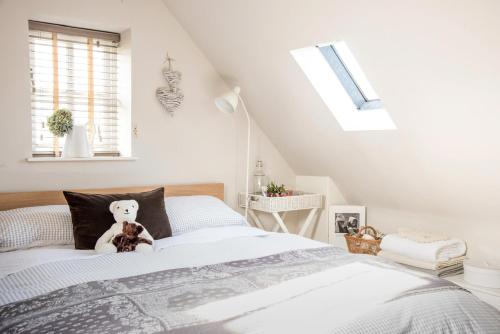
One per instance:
(248, 156)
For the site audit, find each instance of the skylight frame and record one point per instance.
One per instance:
(350, 74)
(333, 93)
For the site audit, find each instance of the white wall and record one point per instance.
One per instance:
(480, 233)
(332, 196)
(435, 64)
(200, 144)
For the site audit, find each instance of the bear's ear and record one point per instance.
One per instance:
(139, 229)
(112, 206)
(135, 204)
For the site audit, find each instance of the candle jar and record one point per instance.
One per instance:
(259, 179)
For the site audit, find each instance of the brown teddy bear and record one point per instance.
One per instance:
(129, 238)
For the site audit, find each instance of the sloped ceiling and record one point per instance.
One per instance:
(435, 64)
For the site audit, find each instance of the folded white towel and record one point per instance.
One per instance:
(432, 251)
(434, 265)
(456, 269)
(420, 236)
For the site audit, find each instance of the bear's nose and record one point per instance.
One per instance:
(126, 210)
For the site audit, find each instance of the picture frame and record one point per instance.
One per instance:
(342, 217)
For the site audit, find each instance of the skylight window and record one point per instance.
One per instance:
(345, 89)
(352, 78)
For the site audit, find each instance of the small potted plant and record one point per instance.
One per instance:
(76, 144)
(273, 190)
(60, 122)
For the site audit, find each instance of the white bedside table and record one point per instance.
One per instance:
(278, 207)
(488, 295)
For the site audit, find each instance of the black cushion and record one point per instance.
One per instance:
(91, 216)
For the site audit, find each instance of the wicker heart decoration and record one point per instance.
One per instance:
(170, 97)
(172, 77)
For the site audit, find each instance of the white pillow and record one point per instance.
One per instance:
(35, 227)
(190, 213)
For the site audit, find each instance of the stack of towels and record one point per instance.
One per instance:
(435, 254)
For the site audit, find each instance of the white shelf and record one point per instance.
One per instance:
(60, 159)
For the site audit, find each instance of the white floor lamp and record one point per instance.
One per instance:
(228, 103)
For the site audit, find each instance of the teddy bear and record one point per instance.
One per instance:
(126, 234)
(129, 239)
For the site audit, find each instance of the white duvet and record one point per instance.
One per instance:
(201, 247)
(11, 262)
(33, 272)
(29, 273)
(343, 293)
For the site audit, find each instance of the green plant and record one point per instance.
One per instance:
(275, 190)
(60, 122)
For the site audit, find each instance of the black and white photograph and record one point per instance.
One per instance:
(347, 216)
(344, 221)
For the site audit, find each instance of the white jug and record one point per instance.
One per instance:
(77, 143)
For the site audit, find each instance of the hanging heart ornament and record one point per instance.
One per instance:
(170, 97)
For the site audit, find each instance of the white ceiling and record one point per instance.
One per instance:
(435, 64)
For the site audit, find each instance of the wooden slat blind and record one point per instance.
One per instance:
(78, 73)
(55, 81)
(90, 86)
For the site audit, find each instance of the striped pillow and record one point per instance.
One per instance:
(35, 227)
(191, 213)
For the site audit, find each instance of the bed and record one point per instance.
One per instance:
(225, 278)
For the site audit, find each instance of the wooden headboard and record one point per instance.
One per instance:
(25, 199)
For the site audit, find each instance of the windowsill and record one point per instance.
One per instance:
(60, 159)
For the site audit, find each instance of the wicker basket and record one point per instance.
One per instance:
(356, 243)
(300, 201)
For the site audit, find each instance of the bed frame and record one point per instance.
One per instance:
(24, 199)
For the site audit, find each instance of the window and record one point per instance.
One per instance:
(75, 69)
(352, 78)
(340, 82)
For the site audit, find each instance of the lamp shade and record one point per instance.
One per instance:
(228, 101)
